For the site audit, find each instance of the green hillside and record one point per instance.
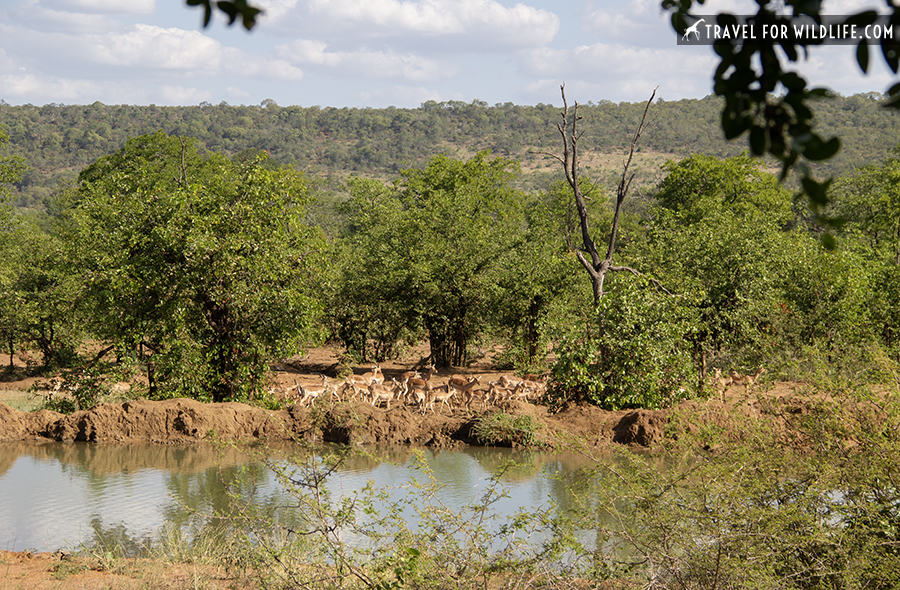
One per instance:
(59, 140)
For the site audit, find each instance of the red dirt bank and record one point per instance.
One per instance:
(186, 421)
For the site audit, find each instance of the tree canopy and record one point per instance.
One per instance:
(205, 261)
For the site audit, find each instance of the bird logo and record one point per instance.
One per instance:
(692, 29)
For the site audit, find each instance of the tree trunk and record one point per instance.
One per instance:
(223, 350)
(532, 334)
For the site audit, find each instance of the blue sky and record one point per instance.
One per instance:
(369, 53)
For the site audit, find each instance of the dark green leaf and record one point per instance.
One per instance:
(862, 55)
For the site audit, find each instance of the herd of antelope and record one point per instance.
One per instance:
(734, 378)
(420, 390)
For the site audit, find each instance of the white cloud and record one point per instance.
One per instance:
(241, 64)
(239, 93)
(279, 69)
(364, 63)
(635, 22)
(438, 25)
(7, 63)
(102, 6)
(275, 10)
(620, 72)
(37, 19)
(589, 61)
(835, 67)
(408, 95)
(181, 95)
(27, 86)
(155, 47)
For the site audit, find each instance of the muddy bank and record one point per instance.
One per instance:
(180, 421)
(781, 407)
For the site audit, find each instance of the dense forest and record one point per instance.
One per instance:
(198, 244)
(58, 140)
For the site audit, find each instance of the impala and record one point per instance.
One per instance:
(311, 392)
(441, 393)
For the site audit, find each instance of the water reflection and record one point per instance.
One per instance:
(61, 495)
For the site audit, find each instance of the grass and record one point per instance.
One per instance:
(20, 399)
(508, 430)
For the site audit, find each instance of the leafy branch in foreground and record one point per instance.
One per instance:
(232, 8)
(772, 104)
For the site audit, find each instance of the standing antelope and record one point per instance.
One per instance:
(722, 383)
(423, 381)
(375, 375)
(380, 392)
(464, 387)
(312, 392)
(747, 380)
(750, 380)
(441, 393)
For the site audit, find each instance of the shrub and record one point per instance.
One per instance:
(634, 356)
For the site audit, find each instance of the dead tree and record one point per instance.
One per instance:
(587, 254)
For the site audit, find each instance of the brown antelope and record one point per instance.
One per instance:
(381, 392)
(484, 395)
(404, 380)
(722, 383)
(311, 392)
(497, 393)
(423, 381)
(360, 383)
(356, 383)
(509, 381)
(419, 397)
(441, 393)
(532, 388)
(375, 375)
(747, 380)
(750, 380)
(520, 391)
(535, 377)
(463, 386)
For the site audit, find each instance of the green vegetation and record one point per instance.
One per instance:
(195, 270)
(505, 429)
(810, 508)
(57, 141)
(204, 261)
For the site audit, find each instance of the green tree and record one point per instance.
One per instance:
(539, 291)
(635, 353)
(717, 235)
(434, 246)
(868, 200)
(205, 262)
(12, 169)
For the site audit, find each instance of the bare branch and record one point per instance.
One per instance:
(625, 182)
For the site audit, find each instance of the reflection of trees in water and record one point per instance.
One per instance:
(105, 459)
(215, 501)
(115, 541)
(363, 460)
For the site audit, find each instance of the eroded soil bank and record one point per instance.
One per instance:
(179, 421)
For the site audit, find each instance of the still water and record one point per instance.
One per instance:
(65, 495)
